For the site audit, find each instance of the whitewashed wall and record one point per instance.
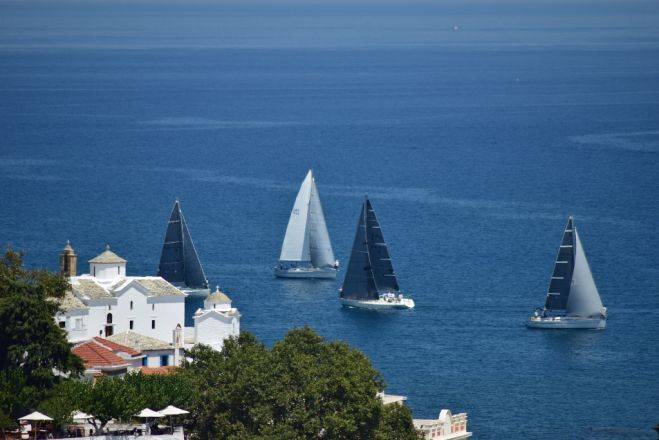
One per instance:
(213, 328)
(107, 271)
(166, 311)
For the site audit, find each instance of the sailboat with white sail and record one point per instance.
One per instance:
(572, 298)
(370, 281)
(179, 262)
(307, 251)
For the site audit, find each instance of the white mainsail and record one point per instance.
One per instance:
(584, 299)
(296, 241)
(319, 241)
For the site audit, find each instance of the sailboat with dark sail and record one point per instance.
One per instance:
(306, 251)
(179, 262)
(370, 281)
(572, 298)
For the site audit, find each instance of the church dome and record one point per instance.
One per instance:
(107, 257)
(218, 297)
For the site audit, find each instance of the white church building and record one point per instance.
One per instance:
(108, 302)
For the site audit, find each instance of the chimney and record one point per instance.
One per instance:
(178, 344)
(68, 261)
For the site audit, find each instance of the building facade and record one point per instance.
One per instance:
(146, 313)
(447, 427)
(107, 301)
(217, 321)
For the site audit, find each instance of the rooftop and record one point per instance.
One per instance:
(150, 371)
(388, 399)
(158, 286)
(70, 302)
(107, 257)
(218, 297)
(97, 353)
(89, 288)
(139, 341)
(115, 347)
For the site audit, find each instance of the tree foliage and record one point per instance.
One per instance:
(118, 397)
(34, 352)
(302, 388)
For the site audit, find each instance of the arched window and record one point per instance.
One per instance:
(108, 320)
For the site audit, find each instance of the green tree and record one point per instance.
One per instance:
(396, 424)
(34, 353)
(303, 388)
(117, 397)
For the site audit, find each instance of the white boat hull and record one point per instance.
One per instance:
(379, 304)
(305, 272)
(191, 291)
(566, 322)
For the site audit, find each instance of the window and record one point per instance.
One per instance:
(131, 305)
(164, 360)
(62, 324)
(143, 359)
(130, 324)
(94, 270)
(109, 307)
(108, 318)
(153, 306)
(78, 323)
(118, 270)
(153, 324)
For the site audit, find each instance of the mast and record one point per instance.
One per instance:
(179, 262)
(383, 269)
(295, 247)
(561, 279)
(359, 282)
(320, 246)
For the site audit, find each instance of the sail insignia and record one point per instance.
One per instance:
(179, 261)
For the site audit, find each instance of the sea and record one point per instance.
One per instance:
(475, 127)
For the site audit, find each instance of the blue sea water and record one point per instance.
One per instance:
(475, 128)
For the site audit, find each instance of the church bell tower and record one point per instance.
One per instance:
(68, 261)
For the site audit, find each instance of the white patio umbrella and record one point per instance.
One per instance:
(170, 411)
(35, 417)
(148, 413)
(79, 415)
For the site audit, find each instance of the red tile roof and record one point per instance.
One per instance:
(95, 355)
(100, 352)
(117, 347)
(157, 370)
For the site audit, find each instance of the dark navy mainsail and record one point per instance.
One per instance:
(179, 262)
(561, 279)
(359, 282)
(383, 270)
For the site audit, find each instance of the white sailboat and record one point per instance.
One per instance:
(179, 262)
(572, 298)
(370, 281)
(307, 250)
